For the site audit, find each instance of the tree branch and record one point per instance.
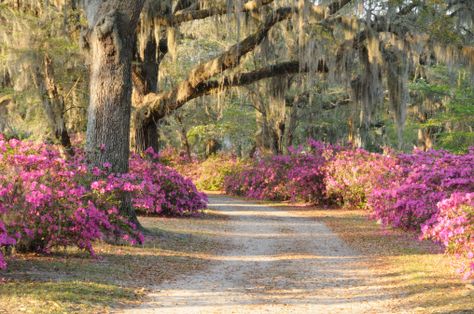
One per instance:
(280, 69)
(187, 16)
(156, 106)
(241, 79)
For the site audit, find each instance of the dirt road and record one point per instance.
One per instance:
(276, 263)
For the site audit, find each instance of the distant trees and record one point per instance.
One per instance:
(53, 102)
(45, 100)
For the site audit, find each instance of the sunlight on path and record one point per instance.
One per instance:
(276, 263)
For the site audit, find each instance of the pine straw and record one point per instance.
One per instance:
(70, 281)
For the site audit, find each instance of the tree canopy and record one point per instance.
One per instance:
(373, 73)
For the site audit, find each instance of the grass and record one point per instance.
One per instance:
(69, 281)
(416, 272)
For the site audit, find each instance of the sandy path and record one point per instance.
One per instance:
(277, 263)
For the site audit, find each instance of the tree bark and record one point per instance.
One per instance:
(425, 141)
(264, 137)
(112, 26)
(146, 136)
(293, 118)
(183, 133)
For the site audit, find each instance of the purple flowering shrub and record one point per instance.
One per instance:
(47, 201)
(262, 181)
(162, 190)
(172, 157)
(352, 175)
(296, 176)
(417, 184)
(453, 226)
(5, 241)
(429, 191)
(181, 162)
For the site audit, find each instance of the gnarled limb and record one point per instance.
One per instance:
(156, 106)
(199, 14)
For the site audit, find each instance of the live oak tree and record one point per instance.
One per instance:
(375, 49)
(109, 38)
(366, 50)
(309, 31)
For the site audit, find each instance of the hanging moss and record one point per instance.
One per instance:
(397, 82)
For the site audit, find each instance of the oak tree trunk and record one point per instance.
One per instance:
(108, 123)
(112, 25)
(146, 136)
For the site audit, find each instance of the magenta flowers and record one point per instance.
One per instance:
(296, 176)
(48, 201)
(430, 192)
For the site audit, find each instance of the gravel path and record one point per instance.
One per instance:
(276, 263)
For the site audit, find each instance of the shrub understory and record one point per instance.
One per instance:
(48, 200)
(429, 192)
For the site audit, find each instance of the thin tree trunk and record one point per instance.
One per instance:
(425, 141)
(184, 136)
(146, 136)
(262, 137)
(53, 103)
(145, 78)
(292, 125)
(187, 146)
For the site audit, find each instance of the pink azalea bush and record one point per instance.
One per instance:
(296, 176)
(453, 226)
(417, 184)
(428, 191)
(353, 173)
(181, 162)
(264, 180)
(5, 241)
(172, 157)
(162, 190)
(48, 201)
